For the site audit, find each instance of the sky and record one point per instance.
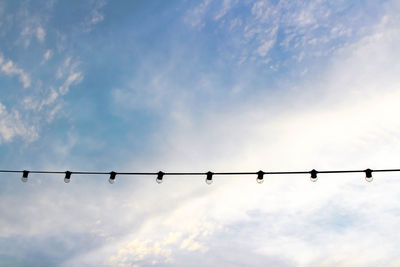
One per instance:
(144, 86)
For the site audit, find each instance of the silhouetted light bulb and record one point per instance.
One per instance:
(260, 177)
(313, 177)
(112, 177)
(368, 175)
(24, 177)
(67, 178)
(160, 175)
(209, 179)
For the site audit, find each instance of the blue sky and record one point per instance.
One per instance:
(198, 86)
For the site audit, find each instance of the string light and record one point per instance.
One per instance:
(209, 174)
(368, 175)
(24, 177)
(209, 179)
(313, 177)
(260, 177)
(160, 175)
(67, 178)
(112, 177)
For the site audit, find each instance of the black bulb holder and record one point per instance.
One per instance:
(209, 175)
(313, 173)
(68, 175)
(368, 173)
(260, 175)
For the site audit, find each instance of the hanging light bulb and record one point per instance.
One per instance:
(160, 175)
(368, 175)
(260, 177)
(112, 177)
(313, 177)
(209, 179)
(24, 177)
(67, 178)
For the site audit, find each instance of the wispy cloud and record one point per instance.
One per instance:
(71, 75)
(12, 125)
(47, 55)
(290, 28)
(30, 30)
(195, 17)
(40, 33)
(38, 105)
(72, 79)
(226, 5)
(9, 68)
(95, 15)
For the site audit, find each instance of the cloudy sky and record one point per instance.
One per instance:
(198, 86)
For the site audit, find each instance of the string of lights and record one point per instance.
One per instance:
(209, 175)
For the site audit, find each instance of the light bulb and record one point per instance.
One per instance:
(260, 177)
(369, 179)
(368, 175)
(209, 179)
(24, 177)
(112, 177)
(67, 178)
(313, 176)
(160, 175)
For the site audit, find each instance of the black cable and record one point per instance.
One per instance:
(197, 173)
(209, 175)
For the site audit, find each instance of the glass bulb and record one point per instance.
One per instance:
(313, 179)
(159, 181)
(111, 181)
(24, 179)
(209, 181)
(66, 180)
(260, 181)
(369, 179)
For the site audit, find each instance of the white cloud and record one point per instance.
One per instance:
(313, 26)
(40, 104)
(136, 251)
(40, 34)
(69, 71)
(192, 245)
(263, 49)
(95, 15)
(32, 29)
(12, 125)
(226, 5)
(195, 17)
(10, 69)
(73, 79)
(47, 55)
